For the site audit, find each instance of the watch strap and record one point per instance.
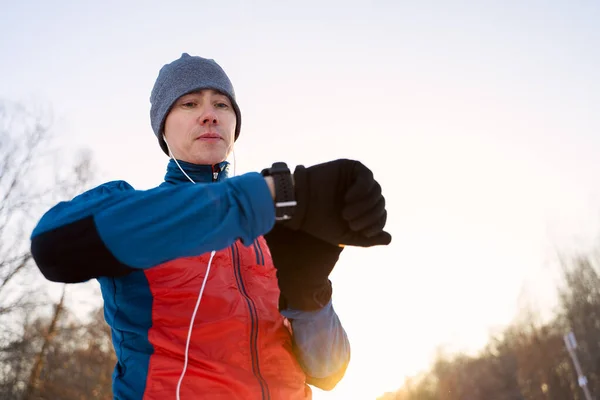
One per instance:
(285, 201)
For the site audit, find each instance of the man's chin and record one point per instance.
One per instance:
(209, 158)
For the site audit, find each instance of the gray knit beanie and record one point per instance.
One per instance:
(186, 75)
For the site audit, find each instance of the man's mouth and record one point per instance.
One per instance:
(209, 136)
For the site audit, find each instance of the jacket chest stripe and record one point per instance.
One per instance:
(262, 256)
(256, 251)
(235, 256)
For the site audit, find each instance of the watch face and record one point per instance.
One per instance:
(279, 167)
(276, 168)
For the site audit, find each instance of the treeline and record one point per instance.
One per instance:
(528, 360)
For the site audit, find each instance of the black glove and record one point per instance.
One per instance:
(341, 203)
(303, 265)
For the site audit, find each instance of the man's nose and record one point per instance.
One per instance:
(208, 117)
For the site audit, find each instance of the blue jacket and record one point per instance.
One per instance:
(140, 245)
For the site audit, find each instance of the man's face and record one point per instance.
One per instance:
(200, 127)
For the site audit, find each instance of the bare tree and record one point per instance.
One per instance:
(47, 338)
(580, 302)
(29, 180)
(33, 176)
(80, 363)
(60, 357)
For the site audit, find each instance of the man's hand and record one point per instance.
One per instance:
(340, 203)
(303, 265)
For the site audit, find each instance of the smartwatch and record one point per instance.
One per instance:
(285, 199)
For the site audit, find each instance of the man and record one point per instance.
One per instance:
(201, 275)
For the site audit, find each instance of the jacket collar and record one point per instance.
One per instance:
(199, 173)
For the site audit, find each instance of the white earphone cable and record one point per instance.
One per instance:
(181, 169)
(189, 337)
(212, 254)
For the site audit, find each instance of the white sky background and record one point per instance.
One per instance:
(480, 120)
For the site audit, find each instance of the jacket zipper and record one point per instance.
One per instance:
(215, 173)
(253, 322)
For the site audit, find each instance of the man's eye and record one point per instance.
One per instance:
(189, 104)
(221, 105)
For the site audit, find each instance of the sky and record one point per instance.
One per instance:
(479, 119)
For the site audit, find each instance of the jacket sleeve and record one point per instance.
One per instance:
(320, 344)
(112, 229)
